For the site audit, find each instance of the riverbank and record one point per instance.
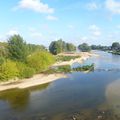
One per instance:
(43, 78)
(34, 81)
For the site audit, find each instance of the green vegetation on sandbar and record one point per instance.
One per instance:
(84, 68)
(68, 69)
(66, 58)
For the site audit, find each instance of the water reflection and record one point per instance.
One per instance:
(19, 99)
(113, 96)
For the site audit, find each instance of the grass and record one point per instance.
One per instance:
(66, 58)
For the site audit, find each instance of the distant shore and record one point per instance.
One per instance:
(43, 78)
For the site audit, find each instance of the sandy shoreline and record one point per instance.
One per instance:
(43, 78)
(34, 81)
(83, 56)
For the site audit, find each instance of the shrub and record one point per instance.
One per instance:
(40, 61)
(2, 60)
(8, 70)
(24, 70)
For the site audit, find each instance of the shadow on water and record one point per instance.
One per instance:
(19, 99)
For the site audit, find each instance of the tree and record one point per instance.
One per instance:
(54, 48)
(17, 48)
(70, 47)
(60, 46)
(84, 47)
(115, 46)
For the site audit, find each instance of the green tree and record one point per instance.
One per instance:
(40, 61)
(70, 47)
(54, 48)
(17, 48)
(84, 47)
(60, 46)
(115, 46)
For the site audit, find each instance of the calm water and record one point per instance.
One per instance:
(81, 96)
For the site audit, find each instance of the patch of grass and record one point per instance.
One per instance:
(66, 58)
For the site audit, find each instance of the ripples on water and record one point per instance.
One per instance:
(81, 96)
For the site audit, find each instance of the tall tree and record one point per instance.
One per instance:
(17, 48)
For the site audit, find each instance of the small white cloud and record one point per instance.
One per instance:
(35, 5)
(50, 17)
(12, 32)
(92, 6)
(95, 31)
(113, 6)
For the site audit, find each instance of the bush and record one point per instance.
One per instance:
(25, 71)
(2, 60)
(64, 68)
(8, 70)
(40, 61)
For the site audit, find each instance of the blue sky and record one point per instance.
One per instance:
(76, 21)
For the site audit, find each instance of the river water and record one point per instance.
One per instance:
(81, 96)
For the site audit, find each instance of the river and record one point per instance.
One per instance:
(81, 96)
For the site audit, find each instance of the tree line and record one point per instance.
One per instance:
(114, 48)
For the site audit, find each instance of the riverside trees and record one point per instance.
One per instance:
(60, 46)
(22, 60)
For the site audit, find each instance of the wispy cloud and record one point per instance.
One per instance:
(113, 6)
(50, 17)
(35, 5)
(95, 31)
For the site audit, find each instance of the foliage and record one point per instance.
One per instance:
(35, 48)
(8, 70)
(60, 46)
(84, 47)
(24, 70)
(65, 58)
(40, 61)
(2, 60)
(3, 49)
(64, 68)
(116, 46)
(17, 48)
(100, 47)
(70, 47)
(84, 68)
